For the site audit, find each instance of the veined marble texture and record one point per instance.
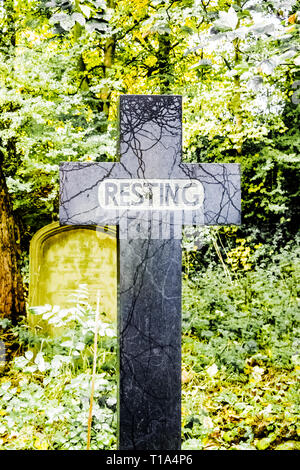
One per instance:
(150, 149)
(150, 344)
(150, 194)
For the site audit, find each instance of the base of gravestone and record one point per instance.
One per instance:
(150, 344)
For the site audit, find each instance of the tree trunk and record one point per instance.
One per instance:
(163, 61)
(12, 303)
(109, 55)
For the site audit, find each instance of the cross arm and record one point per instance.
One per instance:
(78, 192)
(222, 194)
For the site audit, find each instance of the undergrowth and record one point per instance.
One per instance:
(240, 360)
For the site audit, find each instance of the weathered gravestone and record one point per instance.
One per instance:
(150, 194)
(62, 258)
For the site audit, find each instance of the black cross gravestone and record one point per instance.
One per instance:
(150, 194)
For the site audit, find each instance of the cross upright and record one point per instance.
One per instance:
(150, 194)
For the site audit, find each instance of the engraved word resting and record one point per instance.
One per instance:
(151, 194)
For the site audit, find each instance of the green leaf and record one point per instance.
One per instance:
(255, 83)
(267, 66)
(203, 63)
(192, 444)
(265, 442)
(67, 23)
(96, 25)
(20, 362)
(244, 14)
(79, 18)
(28, 355)
(40, 310)
(284, 57)
(86, 10)
(262, 28)
(227, 20)
(187, 29)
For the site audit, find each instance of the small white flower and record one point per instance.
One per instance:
(208, 423)
(212, 370)
(219, 312)
(257, 372)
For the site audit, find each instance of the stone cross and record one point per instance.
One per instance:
(150, 194)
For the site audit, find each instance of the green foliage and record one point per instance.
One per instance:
(45, 398)
(241, 352)
(249, 315)
(46, 413)
(240, 362)
(63, 65)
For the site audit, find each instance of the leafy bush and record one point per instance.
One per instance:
(251, 315)
(239, 372)
(241, 354)
(46, 396)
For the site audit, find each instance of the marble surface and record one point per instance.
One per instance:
(150, 148)
(150, 344)
(149, 253)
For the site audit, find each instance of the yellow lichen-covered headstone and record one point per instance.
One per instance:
(63, 257)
